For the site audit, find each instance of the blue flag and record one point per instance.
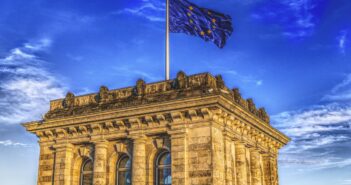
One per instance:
(186, 17)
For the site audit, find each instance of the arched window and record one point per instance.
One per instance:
(86, 175)
(163, 169)
(123, 171)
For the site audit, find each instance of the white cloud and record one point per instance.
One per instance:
(318, 134)
(38, 45)
(296, 17)
(26, 86)
(152, 10)
(12, 143)
(341, 91)
(244, 78)
(346, 182)
(342, 39)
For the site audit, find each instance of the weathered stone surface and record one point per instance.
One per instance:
(214, 136)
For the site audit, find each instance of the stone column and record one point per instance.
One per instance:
(256, 175)
(228, 160)
(139, 161)
(46, 165)
(274, 169)
(241, 171)
(63, 164)
(179, 154)
(266, 169)
(100, 160)
(218, 154)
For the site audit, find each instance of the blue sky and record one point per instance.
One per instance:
(292, 56)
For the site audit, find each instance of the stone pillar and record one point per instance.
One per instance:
(100, 160)
(63, 164)
(179, 154)
(274, 169)
(228, 160)
(266, 169)
(241, 171)
(218, 157)
(139, 161)
(256, 175)
(46, 165)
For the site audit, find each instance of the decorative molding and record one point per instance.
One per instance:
(142, 93)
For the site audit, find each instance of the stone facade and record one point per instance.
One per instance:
(213, 135)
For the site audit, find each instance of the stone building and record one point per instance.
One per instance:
(190, 130)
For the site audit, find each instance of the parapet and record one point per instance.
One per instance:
(182, 86)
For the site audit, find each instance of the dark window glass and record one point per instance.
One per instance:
(124, 176)
(87, 173)
(163, 169)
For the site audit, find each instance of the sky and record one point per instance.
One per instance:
(292, 56)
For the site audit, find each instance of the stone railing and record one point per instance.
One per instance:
(141, 93)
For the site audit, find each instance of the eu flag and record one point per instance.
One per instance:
(186, 17)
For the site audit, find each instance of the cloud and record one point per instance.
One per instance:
(297, 18)
(319, 136)
(12, 143)
(321, 133)
(152, 10)
(340, 92)
(26, 86)
(342, 39)
(243, 78)
(346, 182)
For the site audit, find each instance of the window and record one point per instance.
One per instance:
(163, 169)
(86, 175)
(123, 171)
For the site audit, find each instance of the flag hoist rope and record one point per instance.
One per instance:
(167, 40)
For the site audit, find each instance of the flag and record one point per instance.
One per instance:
(186, 17)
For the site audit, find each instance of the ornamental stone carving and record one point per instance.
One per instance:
(140, 87)
(69, 101)
(103, 95)
(181, 81)
(220, 82)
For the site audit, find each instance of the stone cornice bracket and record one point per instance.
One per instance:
(161, 119)
(61, 133)
(135, 123)
(177, 117)
(124, 147)
(150, 121)
(83, 129)
(85, 151)
(219, 115)
(96, 128)
(162, 143)
(121, 125)
(73, 131)
(193, 115)
(109, 126)
(40, 134)
(206, 113)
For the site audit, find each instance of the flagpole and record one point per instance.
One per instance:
(167, 40)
